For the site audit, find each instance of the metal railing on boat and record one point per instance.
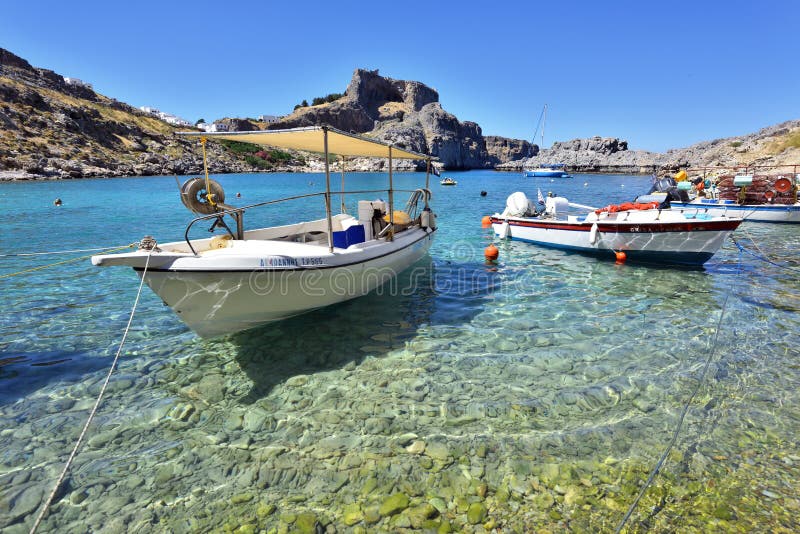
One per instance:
(238, 212)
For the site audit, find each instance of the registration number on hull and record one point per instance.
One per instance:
(283, 261)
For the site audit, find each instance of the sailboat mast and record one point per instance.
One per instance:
(544, 123)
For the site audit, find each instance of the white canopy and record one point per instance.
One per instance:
(312, 139)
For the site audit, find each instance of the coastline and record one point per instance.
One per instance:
(24, 176)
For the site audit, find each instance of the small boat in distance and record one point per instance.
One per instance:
(448, 181)
(242, 279)
(551, 170)
(637, 232)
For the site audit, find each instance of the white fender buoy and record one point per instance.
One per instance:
(504, 230)
(593, 234)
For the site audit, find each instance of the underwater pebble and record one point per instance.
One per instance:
(416, 447)
(393, 504)
(437, 450)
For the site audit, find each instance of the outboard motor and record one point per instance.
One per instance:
(518, 205)
(661, 185)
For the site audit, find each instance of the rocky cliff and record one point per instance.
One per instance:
(407, 114)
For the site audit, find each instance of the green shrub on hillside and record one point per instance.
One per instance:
(255, 161)
(320, 100)
(325, 99)
(237, 147)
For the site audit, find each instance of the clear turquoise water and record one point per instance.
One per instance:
(540, 390)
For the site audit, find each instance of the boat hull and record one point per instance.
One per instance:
(687, 243)
(547, 174)
(218, 302)
(772, 213)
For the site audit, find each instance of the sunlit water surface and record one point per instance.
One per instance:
(534, 394)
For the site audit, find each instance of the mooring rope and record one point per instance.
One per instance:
(9, 275)
(700, 382)
(763, 257)
(16, 254)
(96, 404)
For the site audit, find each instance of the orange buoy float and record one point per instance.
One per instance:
(486, 222)
(769, 195)
(621, 256)
(782, 185)
(491, 253)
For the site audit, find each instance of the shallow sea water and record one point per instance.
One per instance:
(536, 394)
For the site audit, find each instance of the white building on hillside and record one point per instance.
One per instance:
(269, 118)
(173, 119)
(76, 81)
(166, 117)
(217, 127)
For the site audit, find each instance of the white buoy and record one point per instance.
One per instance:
(593, 234)
(504, 230)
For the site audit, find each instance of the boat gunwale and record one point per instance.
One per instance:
(297, 267)
(623, 226)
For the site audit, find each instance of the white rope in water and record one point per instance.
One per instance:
(701, 380)
(64, 251)
(96, 404)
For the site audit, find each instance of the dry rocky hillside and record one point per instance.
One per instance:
(53, 129)
(769, 147)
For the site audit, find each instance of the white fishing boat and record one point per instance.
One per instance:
(638, 232)
(448, 181)
(246, 278)
(753, 198)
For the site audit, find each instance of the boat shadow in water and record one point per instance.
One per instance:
(335, 337)
(23, 373)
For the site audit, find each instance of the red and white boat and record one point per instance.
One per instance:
(643, 232)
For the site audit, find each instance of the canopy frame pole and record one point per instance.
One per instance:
(344, 209)
(390, 237)
(428, 174)
(209, 196)
(327, 189)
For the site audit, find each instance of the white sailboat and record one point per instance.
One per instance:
(546, 170)
(247, 278)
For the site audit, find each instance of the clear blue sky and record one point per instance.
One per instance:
(658, 74)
